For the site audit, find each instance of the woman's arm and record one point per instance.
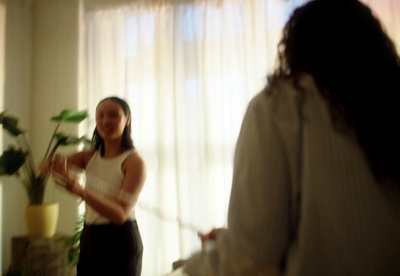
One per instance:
(79, 159)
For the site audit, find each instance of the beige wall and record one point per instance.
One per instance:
(2, 55)
(17, 83)
(41, 79)
(55, 82)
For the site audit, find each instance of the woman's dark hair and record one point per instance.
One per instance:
(127, 142)
(357, 69)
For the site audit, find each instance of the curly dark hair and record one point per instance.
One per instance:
(127, 142)
(357, 69)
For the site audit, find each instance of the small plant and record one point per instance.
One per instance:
(19, 162)
(73, 244)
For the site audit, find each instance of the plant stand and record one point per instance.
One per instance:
(40, 256)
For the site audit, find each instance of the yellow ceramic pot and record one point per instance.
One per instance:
(41, 219)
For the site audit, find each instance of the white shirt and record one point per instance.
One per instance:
(105, 177)
(303, 200)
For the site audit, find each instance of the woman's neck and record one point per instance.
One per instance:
(112, 149)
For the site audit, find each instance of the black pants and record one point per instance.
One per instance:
(110, 250)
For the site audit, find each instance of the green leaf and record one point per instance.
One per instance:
(65, 140)
(10, 124)
(71, 116)
(12, 160)
(60, 138)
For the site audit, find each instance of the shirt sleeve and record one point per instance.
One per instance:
(260, 219)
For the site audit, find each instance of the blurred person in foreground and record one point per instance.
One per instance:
(316, 183)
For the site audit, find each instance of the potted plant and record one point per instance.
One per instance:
(17, 161)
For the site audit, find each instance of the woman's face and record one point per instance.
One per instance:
(110, 120)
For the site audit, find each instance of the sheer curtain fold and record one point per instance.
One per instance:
(99, 5)
(188, 70)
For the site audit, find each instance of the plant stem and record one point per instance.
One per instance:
(30, 163)
(53, 151)
(51, 141)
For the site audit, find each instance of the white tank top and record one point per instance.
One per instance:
(105, 178)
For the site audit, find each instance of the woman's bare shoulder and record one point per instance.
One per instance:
(134, 161)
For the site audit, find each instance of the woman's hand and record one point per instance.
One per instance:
(45, 167)
(208, 240)
(64, 178)
(212, 235)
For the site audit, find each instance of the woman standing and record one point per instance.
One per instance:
(110, 243)
(316, 183)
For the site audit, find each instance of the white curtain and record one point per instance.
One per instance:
(188, 70)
